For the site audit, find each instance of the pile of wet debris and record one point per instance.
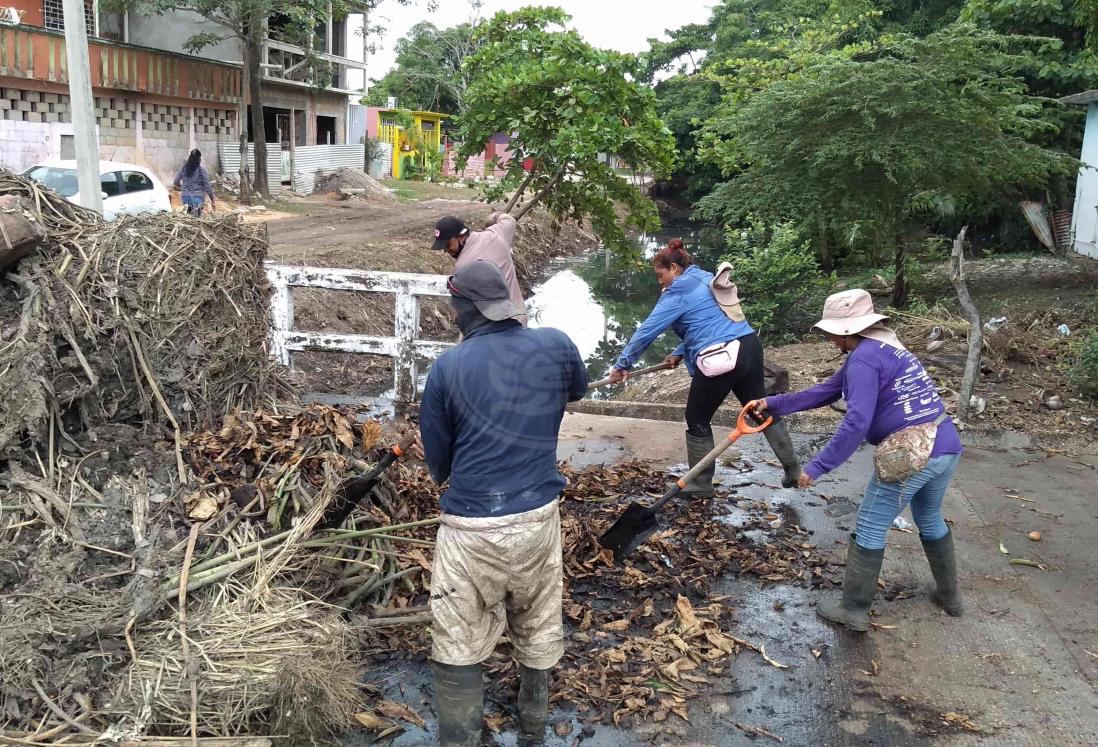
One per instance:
(159, 488)
(167, 571)
(643, 637)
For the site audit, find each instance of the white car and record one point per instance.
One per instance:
(126, 188)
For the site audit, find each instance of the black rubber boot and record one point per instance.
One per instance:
(696, 449)
(778, 438)
(459, 697)
(533, 706)
(943, 564)
(852, 607)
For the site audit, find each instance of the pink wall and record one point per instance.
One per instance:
(373, 121)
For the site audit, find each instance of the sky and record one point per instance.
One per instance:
(623, 25)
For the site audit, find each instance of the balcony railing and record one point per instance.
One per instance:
(39, 54)
(287, 63)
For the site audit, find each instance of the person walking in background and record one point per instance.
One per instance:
(891, 402)
(493, 244)
(194, 181)
(722, 353)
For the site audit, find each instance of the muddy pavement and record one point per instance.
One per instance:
(1020, 667)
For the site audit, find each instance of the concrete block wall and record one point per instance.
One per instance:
(32, 123)
(17, 105)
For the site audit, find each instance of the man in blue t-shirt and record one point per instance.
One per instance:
(489, 422)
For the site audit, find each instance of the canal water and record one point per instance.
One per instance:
(599, 299)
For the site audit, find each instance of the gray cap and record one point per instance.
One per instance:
(482, 283)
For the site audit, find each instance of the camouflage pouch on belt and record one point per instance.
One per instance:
(906, 451)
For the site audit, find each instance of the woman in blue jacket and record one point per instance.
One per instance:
(688, 307)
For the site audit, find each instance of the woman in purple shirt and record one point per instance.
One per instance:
(886, 389)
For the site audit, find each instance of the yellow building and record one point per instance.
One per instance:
(385, 125)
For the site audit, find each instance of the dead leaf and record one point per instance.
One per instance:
(674, 669)
(392, 709)
(1002, 548)
(961, 720)
(370, 433)
(562, 729)
(203, 509)
(617, 626)
(817, 653)
(420, 558)
(878, 626)
(495, 721)
(685, 612)
(372, 721)
(1028, 563)
(876, 670)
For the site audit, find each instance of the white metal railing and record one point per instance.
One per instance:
(403, 346)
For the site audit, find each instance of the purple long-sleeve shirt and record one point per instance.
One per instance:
(885, 389)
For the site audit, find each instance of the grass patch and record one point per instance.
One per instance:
(411, 191)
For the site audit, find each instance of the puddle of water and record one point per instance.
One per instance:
(599, 300)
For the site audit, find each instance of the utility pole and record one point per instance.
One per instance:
(83, 106)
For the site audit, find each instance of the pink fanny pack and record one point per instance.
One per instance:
(718, 359)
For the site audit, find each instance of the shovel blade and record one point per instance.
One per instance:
(629, 532)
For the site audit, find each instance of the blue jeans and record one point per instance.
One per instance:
(194, 205)
(884, 501)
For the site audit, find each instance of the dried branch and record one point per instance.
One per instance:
(975, 330)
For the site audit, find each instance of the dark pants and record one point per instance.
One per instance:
(707, 393)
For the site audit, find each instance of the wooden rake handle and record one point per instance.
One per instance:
(630, 374)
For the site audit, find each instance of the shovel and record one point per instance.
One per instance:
(354, 490)
(629, 375)
(638, 523)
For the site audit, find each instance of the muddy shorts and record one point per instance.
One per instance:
(496, 574)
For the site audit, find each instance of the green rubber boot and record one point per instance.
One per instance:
(851, 608)
(778, 437)
(459, 697)
(943, 564)
(533, 706)
(696, 449)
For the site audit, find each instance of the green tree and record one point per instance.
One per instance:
(863, 141)
(429, 72)
(743, 43)
(1054, 59)
(568, 106)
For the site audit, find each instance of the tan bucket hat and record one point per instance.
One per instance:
(849, 313)
(726, 293)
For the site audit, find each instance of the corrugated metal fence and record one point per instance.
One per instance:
(382, 166)
(229, 156)
(313, 161)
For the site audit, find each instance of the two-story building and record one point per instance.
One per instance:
(153, 100)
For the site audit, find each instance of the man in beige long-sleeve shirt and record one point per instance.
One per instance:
(492, 244)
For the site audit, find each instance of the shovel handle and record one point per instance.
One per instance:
(354, 490)
(742, 429)
(630, 374)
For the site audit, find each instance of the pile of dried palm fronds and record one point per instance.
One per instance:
(277, 661)
(152, 318)
(117, 612)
